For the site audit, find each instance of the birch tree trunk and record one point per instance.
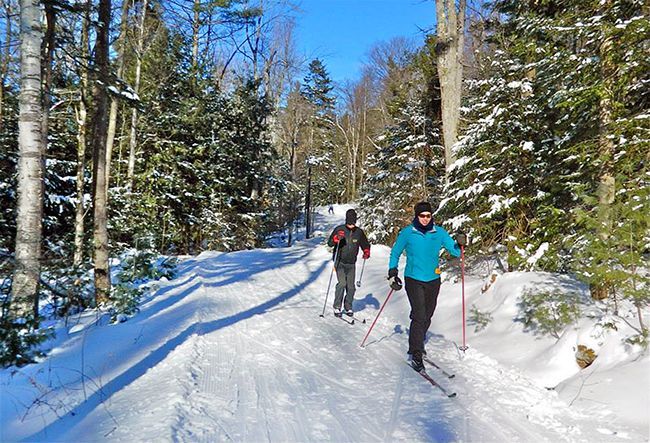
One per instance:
(133, 140)
(82, 121)
(196, 27)
(450, 35)
(29, 209)
(100, 126)
(112, 117)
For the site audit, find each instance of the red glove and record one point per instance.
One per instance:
(366, 254)
(338, 236)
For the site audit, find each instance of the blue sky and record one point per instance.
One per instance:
(341, 32)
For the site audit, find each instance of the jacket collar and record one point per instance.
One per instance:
(423, 228)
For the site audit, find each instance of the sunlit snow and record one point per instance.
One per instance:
(233, 349)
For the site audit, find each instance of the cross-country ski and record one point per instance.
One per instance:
(435, 365)
(423, 373)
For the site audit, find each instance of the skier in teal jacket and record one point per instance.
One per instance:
(422, 241)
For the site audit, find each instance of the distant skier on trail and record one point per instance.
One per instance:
(347, 239)
(330, 210)
(422, 241)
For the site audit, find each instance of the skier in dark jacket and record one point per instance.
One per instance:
(422, 241)
(347, 239)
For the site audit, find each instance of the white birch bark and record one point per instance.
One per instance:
(133, 139)
(30, 164)
(82, 128)
(196, 28)
(112, 116)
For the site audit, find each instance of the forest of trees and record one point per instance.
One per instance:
(150, 128)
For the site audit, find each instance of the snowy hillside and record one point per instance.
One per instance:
(234, 349)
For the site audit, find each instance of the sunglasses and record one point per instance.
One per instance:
(424, 215)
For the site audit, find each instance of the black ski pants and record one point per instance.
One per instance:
(423, 297)
(345, 276)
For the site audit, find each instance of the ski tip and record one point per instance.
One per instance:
(452, 375)
(452, 395)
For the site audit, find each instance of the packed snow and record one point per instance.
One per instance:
(234, 349)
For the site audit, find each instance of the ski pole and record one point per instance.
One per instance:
(361, 276)
(378, 314)
(462, 289)
(336, 256)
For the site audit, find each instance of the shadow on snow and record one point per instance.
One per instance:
(78, 413)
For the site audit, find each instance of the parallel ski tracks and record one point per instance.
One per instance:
(218, 380)
(216, 383)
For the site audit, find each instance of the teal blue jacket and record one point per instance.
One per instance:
(422, 251)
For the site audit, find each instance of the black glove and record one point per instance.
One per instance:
(392, 272)
(461, 239)
(395, 283)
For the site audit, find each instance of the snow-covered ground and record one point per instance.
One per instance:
(233, 349)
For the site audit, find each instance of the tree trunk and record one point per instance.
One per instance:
(29, 208)
(449, 49)
(82, 121)
(81, 163)
(196, 27)
(100, 124)
(607, 185)
(133, 140)
(112, 118)
(255, 47)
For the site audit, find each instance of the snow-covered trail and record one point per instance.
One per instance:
(234, 349)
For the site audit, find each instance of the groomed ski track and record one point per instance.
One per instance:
(234, 349)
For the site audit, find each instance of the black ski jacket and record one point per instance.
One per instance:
(352, 240)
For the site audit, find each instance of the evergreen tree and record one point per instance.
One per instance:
(327, 180)
(409, 163)
(405, 169)
(205, 153)
(317, 89)
(532, 158)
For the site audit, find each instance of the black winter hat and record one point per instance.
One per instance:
(351, 217)
(423, 207)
